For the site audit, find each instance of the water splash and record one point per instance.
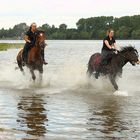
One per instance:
(68, 73)
(120, 93)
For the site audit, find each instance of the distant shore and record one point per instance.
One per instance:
(5, 46)
(12, 44)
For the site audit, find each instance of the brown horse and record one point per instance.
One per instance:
(34, 60)
(115, 66)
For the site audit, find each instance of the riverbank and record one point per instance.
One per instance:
(5, 46)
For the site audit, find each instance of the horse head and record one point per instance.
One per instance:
(40, 37)
(131, 54)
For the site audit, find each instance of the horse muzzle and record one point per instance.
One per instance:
(138, 62)
(135, 62)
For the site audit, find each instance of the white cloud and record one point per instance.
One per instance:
(62, 11)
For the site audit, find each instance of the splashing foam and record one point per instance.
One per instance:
(120, 93)
(71, 75)
(67, 76)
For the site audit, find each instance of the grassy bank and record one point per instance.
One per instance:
(5, 46)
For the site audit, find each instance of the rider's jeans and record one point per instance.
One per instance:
(106, 55)
(26, 49)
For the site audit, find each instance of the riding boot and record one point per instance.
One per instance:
(25, 52)
(43, 56)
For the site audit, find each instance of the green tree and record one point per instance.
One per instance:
(126, 27)
(62, 27)
(123, 32)
(136, 34)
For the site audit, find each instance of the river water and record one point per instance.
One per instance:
(68, 106)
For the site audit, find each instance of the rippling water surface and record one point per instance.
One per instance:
(67, 105)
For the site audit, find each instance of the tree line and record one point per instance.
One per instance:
(126, 27)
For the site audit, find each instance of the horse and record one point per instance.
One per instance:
(114, 67)
(34, 60)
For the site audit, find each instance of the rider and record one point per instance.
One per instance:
(30, 38)
(109, 46)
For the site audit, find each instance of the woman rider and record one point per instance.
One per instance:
(109, 46)
(30, 38)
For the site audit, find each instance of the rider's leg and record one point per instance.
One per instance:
(109, 56)
(43, 54)
(25, 52)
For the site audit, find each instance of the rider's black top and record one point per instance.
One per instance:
(31, 35)
(110, 41)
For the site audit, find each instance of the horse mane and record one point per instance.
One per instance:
(128, 49)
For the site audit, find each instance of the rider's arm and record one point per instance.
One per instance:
(107, 44)
(26, 39)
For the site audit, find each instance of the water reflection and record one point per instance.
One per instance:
(32, 115)
(105, 120)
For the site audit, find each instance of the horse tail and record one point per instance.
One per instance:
(19, 61)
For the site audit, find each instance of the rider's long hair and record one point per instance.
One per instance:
(109, 30)
(31, 26)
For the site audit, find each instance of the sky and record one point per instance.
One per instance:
(62, 11)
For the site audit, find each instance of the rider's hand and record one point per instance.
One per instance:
(31, 42)
(113, 49)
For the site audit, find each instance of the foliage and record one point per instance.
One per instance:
(127, 27)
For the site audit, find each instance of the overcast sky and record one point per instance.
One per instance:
(62, 11)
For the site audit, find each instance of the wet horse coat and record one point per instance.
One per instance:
(34, 60)
(114, 68)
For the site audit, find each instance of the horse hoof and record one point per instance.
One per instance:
(116, 88)
(33, 78)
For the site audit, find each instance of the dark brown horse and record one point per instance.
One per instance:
(34, 60)
(114, 67)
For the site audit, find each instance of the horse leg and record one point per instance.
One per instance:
(120, 73)
(33, 74)
(19, 61)
(40, 74)
(113, 81)
(20, 66)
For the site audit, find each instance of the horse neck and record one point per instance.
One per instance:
(36, 52)
(123, 58)
(37, 45)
